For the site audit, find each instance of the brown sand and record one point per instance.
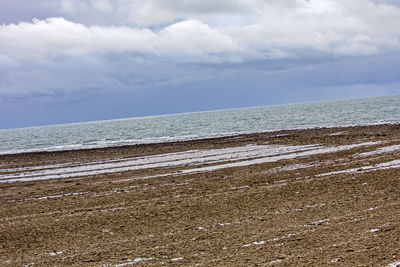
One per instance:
(257, 215)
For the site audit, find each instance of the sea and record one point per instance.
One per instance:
(199, 125)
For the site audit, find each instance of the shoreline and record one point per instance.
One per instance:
(211, 137)
(175, 139)
(320, 196)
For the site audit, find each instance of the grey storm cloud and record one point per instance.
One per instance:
(72, 45)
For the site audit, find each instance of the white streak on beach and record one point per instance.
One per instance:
(134, 261)
(337, 134)
(315, 151)
(258, 243)
(60, 165)
(381, 150)
(291, 168)
(192, 157)
(381, 166)
(275, 261)
(225, 158)
(240, 187)
(278, 135)
(57, 196)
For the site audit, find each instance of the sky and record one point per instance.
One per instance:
(67, 61)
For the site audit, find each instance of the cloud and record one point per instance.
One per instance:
(155, 13)
(329, 27)
(130, 43)
(51, 78)
(89, 75)
(58, 37)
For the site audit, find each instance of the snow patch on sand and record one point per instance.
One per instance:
(381, 150)
(394, 264)
(337, 134)
(258, 243)
(276, 261)
(240, 187)
(381, 166)
(291, 168)
(57, 196)
(56, 253)
(134, 261)
(169, 160)
(370, 209)
(319, 222)
(225, 157)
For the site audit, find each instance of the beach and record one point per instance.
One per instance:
(308, 197)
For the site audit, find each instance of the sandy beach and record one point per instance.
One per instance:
(314, 197)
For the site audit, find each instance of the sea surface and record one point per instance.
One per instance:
(188, 126)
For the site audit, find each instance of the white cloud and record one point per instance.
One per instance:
(276, 29)
(58, 37)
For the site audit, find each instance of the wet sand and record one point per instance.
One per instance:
(326, 196)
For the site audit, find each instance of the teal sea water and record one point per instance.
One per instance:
(201, 125)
